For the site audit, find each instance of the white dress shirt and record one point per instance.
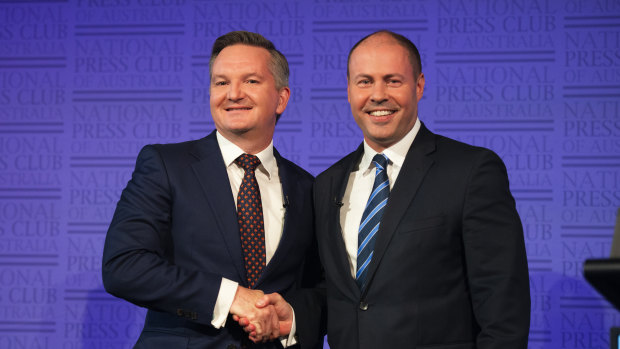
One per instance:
(268, 179)
(360, 185)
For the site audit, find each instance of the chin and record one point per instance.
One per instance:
(240, 130)
(382, 137)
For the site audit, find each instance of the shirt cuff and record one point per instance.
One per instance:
(292, 337)
(224, 301)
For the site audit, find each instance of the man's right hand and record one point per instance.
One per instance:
(263, 319)
(283, 310)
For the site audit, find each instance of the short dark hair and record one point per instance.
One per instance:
(414, 54)
(278, 65)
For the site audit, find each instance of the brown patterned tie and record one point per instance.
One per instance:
(250, 219)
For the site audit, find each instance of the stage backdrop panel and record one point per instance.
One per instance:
(84, 84)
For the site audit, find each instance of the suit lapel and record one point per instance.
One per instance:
(292, 190)
(410, 177)
(211, 173)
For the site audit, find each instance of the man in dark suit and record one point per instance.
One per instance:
(418, 234)
(204, 227)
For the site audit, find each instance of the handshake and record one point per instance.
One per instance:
(263, 317)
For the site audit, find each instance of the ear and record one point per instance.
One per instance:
(285, 94)
(348, 91)
(419, 88)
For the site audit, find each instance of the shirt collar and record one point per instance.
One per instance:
(230, 152)
(396, 153)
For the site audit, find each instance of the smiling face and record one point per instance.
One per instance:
(244, 99)
(383, 91)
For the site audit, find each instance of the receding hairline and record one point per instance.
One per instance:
(390, 37)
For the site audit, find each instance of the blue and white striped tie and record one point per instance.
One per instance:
(372, 218)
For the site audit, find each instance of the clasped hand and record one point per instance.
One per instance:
(263, 317)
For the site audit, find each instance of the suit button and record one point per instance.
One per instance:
(363, 305)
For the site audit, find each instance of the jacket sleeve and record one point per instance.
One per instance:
(310, 315)
(495, 256)
(138, 261)
(310, 302)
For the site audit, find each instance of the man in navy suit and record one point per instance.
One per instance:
(436, 258)
(177, 244)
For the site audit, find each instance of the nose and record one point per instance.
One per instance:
(235, 91)
(378, 94)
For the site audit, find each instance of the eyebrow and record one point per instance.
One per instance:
(358, 76)
(224, 76)
(395, 75)
(387, 76)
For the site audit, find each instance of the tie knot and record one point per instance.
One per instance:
(248, 162)
(381, 161)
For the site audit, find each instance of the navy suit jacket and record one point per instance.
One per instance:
(449, 268)
(174, 235)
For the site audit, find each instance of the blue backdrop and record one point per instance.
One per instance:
(84, 84)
